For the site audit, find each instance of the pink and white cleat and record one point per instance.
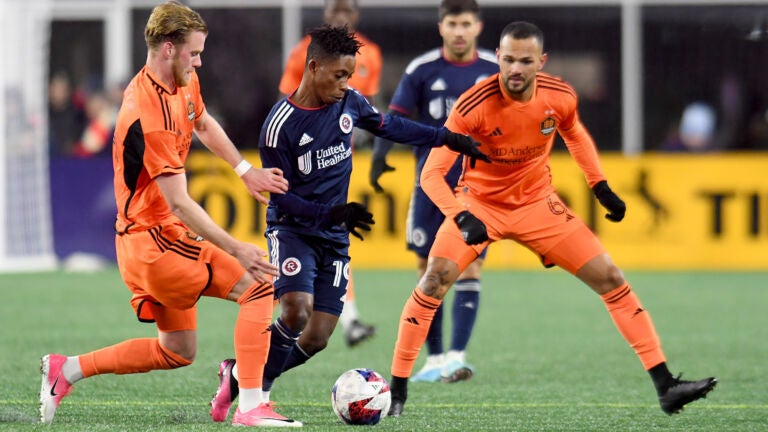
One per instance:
(263, 415)
(226, 393)
(54, 386)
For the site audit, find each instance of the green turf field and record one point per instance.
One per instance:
(546, 353)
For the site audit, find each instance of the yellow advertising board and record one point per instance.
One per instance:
(683, 211)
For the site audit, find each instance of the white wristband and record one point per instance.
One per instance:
(242, 167)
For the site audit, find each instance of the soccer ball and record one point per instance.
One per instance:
(361, 397)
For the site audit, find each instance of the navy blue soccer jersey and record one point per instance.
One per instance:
(430, 86)
(313, 148)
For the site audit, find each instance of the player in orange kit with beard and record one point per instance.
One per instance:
(514, 115)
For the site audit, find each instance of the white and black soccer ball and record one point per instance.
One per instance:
(361, 397)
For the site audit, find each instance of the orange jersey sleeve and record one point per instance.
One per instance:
(432, 180)
(153, 135)
(518, 137)
(582, 147)
(368, 65)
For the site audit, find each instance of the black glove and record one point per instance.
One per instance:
(472, 229)
(464, 144)
(378, 167)
(611, 201)
(351, 216)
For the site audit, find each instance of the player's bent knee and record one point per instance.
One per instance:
(614, 276)
(429, 284)
(295, 319)
(314, 345)
(440, 275)
(174, 360)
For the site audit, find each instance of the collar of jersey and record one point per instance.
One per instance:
(156, 79)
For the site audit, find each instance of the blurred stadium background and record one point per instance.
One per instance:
(675, 93)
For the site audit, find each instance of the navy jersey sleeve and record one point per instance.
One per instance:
(403, 130)
(393, 127)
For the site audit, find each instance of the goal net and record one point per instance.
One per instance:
(26, 239)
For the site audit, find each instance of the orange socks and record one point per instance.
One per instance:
(130, 356)
(414, 324)
(634, 323)
(252, 334)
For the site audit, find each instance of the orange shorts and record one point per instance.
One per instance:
(547, 227)
(168, 268)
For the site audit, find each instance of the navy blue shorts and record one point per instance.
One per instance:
(312, 265)
(424, 219)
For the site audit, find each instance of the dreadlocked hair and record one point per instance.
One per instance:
(332, 42)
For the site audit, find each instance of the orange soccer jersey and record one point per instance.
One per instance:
(518, 137)
(152, 137)
(367, 74)
(514, 195)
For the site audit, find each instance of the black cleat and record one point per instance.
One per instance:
(680, 393)
(398, 388)
(396, 408)
(358, 332)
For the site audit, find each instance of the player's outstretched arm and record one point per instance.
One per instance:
(465, 145)
(251, 257)
(406, 131)
(256, 180)
(259, 180)
(432, 180)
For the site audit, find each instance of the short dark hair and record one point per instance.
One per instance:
(456, 7)
(331, 42)
(523, 30)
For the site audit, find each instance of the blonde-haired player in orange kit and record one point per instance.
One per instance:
(169, 251)
(514, 115)
(368, 65)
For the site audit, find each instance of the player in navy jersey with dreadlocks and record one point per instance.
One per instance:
(308, 136)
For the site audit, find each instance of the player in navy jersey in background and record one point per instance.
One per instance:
(430, 85)
(308, 135)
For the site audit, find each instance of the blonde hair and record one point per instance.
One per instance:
(172, 21)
